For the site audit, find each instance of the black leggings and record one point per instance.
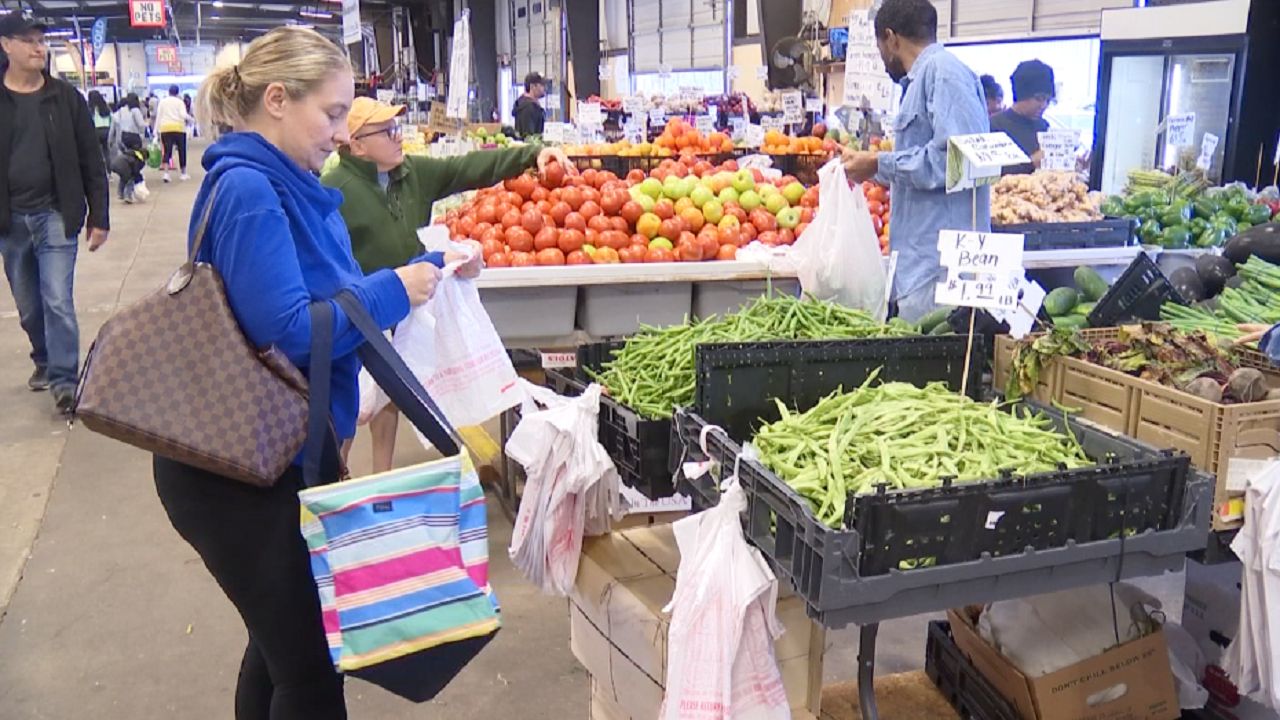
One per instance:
(249, 540)
(171, 140)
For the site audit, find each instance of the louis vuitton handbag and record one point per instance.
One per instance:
(173, 374)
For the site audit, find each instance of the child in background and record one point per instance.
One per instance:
(127, 165)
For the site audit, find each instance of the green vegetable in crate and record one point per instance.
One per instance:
(1031, 354)
(1084, 308)
(935, 318)
(1176, 214)
(1211, 237)
(1257, 215)
(1071, 322)
(1149, 232)
(1091, 285)
(653, 373)
(1176, 237)
(1206, 207)
(1061, 301)
(904, 437)
(1113, 207)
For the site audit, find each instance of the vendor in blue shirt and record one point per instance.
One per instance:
(1033, 93)
(1266, 336)
(943, 98)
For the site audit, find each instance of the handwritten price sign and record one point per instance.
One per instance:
(984, 270)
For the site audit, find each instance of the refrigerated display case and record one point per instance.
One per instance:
(1208, 58)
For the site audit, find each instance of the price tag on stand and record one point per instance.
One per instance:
(754, 135)
(1208, 144)
(385, 96)
(590, 114)
(657, 118)
(769, 122)
(876, 92)
(738, 128)
(1022, 318)
(553, 132)
(984, 270)
(1180, 130)
(634, 134)
(633, 104)
(731, 72)
(1059, 148)
(792, 106)
(814, 105)
(705, 124)
(762, 72)
(974, 160)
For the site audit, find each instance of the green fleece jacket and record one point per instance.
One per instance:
(384, 224)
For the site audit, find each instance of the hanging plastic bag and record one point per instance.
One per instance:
(838, 256)
(571, 488)
(154, 156)
(140, 191)
(720, 658)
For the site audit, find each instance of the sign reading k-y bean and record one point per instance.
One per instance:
(983, 269)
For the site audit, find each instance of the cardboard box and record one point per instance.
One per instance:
(1138, 671)
(619, 633)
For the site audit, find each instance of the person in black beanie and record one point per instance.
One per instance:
(1033, 93)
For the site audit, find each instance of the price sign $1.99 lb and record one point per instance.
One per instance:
(984, 270)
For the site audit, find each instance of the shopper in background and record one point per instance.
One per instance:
(528, 115)
(1033, 92)
(51, 173)
(101, 113)
(994, 94)
(131, 122)
(150, 109)
(387, 196)
(279, 243)
(171, 127)
(943, 98)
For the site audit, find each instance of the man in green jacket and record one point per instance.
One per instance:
(387, 196)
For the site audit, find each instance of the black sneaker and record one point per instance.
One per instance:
(39, 380)
(65, 399)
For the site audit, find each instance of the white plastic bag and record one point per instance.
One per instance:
(571, 488)
(838, 256)
(451, 346)
(720, 657)
(140, 191)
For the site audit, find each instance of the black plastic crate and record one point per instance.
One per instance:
(737, 382)
(1117, 232)
(1137, 513)
(1137, 295)
(962, 684)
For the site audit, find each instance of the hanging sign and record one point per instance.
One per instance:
(460, 67)
(351, 22)
(984, 270)
(1208, 144)
(1059, 149)
(792, 106)
(974, 160)
(146, 13)
(99, 35)
(1180, 130)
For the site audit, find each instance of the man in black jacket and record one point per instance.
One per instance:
(529, 115)
(51, 173)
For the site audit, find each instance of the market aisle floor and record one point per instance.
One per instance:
(115, 617)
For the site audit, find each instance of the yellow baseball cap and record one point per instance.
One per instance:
(367, 111)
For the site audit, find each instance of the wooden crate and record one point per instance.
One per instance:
(1102, 395)
(1047, 387)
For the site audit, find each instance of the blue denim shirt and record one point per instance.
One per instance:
(1269, 344)
(943, 98)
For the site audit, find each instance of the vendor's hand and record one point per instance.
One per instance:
(549, 154)
(420, 280)
(474, 260)
(1252, 333)
(96, 237)
(859, 165)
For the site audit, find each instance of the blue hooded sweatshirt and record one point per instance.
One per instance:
(277, 239)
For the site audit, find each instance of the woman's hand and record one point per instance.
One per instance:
(550, 154)
(420, 280)
(474, 261)
(1252, 333)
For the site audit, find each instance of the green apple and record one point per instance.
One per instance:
(645, 202)
(661, 242)
(713, 211)
(775, 203)
(589, 249)
(767, 189)
(788, 218)
(701, 195)
(651, 187)
(743, 181)
(728, 221)
(750, 200)
(674, 188)
(728, 195)
(793, 192)
(690, 184)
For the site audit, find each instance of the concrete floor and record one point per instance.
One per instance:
(106, 613)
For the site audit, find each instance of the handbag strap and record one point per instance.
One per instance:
(202, 225)
(387, 368)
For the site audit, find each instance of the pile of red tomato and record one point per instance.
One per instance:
(684, 210)
(878, 204)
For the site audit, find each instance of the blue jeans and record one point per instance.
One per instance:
(40, 263)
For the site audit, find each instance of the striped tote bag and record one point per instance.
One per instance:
(401, 562)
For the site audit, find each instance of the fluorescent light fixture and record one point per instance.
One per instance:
(318, 14)
(217, 3)
(59, 33)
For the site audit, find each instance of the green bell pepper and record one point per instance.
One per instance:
(1206, 207)
(1175, 238)
(1149, 232)
(1257, 214)
(1213, 237)
(1176, 214)
(1238, 207)
(1113, 207)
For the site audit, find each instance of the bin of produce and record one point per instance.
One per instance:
(1038, 502)
(1136, 295)
(1117, 232)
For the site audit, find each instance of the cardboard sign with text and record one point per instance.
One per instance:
(1059, 148)
(974, 160)
(1180, 129)
(984, 270)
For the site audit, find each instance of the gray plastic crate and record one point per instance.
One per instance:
(616, 310)
(531, 314)
(722, 297)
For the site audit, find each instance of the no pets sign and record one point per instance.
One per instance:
(146, 13)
